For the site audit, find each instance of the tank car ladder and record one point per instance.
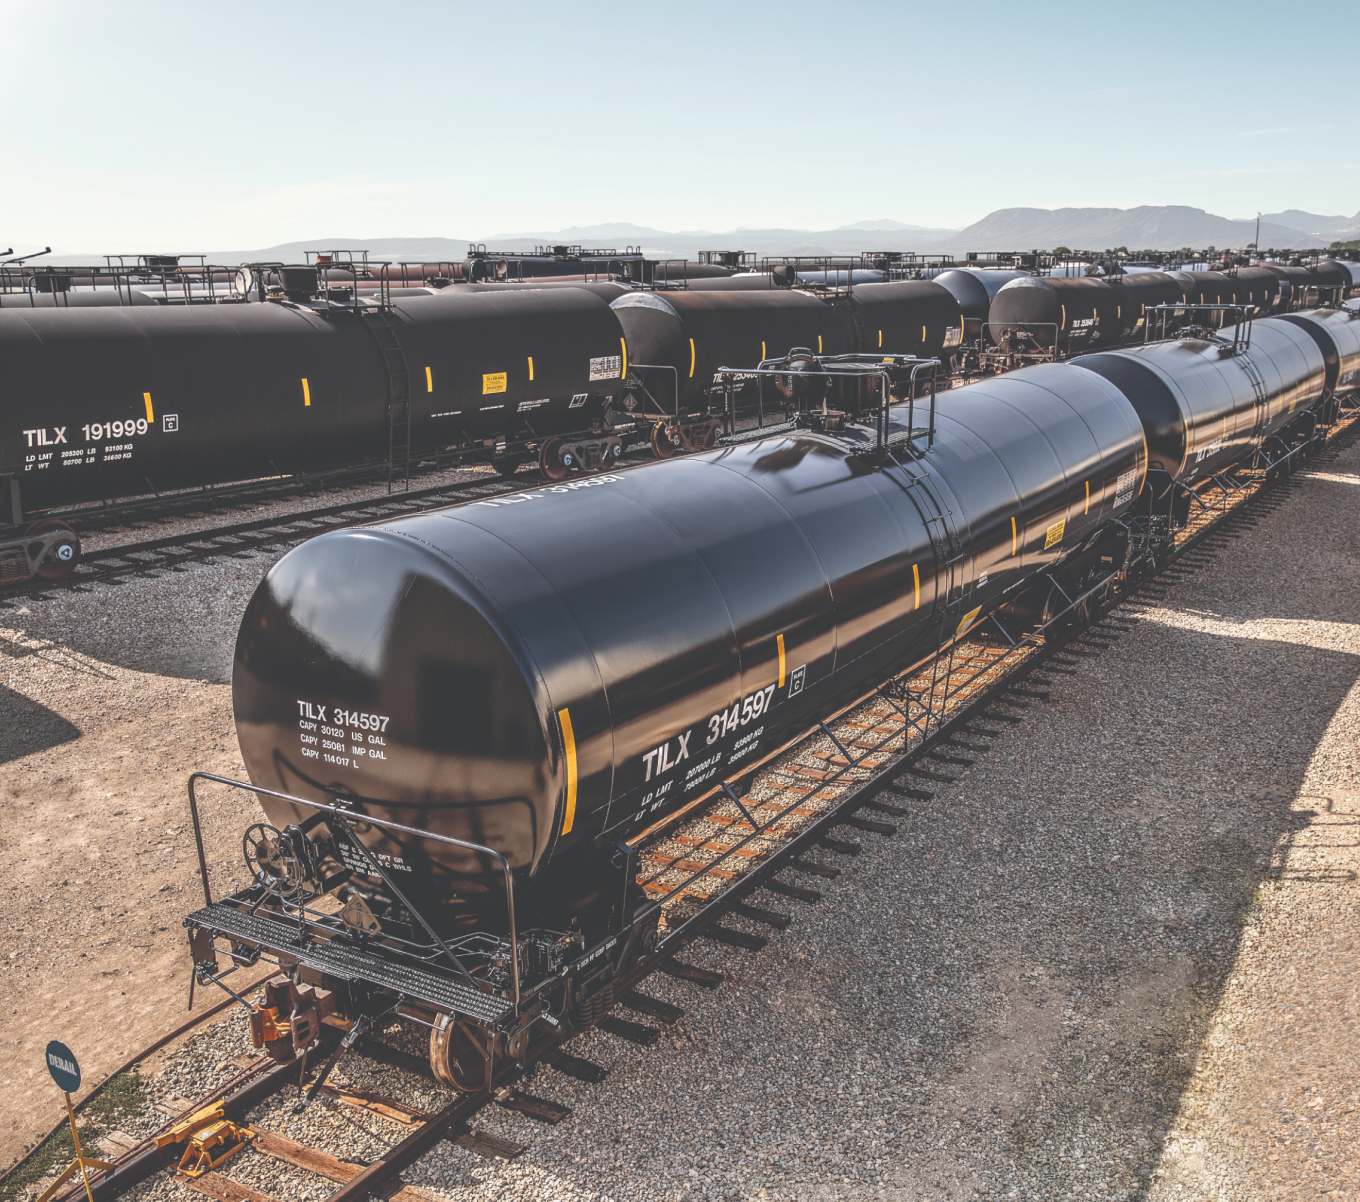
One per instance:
(398, 399)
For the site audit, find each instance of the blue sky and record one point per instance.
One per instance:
(134, 125)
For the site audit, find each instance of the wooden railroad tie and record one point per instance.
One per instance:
(733, 938)
(691, 973)
(533, 1107)
(651, 1006)
(796, 891)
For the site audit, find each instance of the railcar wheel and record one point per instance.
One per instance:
(455, 1058)
(662, 446)
(555, 460)
(63, 555)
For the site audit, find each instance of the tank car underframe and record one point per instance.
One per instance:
(489, 997)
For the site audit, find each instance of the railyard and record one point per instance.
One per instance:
(1065, 974)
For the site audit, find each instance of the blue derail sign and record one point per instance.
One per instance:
(61, 1063)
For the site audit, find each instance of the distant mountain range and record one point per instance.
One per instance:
(1148, 227)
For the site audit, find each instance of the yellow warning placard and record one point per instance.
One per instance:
(493, 382)
(1055, 533)
(968, 619)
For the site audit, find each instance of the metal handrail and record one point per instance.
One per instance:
(874, 366)
(1245, 315)
(352, 815)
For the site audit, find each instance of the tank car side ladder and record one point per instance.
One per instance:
(398, 397)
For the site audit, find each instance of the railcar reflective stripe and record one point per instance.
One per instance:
(306, 392)
(967, 621)
(624, 344)
(691, 358)
(531, 367)
(916, 579)
(819, 344)
(569, 742)
(923, 334)
(1014, 535)
(880, 338)
(763, 356)
(780, 641)
(1088, 498)
(1064, 318)
(150, 416)
(429, 380)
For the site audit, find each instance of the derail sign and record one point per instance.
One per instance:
(61, 1063)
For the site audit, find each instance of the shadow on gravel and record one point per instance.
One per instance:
(1007, 998)
(1081, 917)
(26, 727)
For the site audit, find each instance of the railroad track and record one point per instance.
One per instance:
(703, 864)
(241, 539)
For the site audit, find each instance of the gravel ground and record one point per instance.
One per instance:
(1116, 959)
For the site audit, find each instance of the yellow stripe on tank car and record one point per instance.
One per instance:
(1088, 498)
(780, 642)
(1014, 536)
(306, 392)
(923, 335)
(623, 343)
(569, 743)
(763, 356)
(1064, 318)
(819, 344)
(150, 415)
(531, 367)
(429, 380)
(691, 358)
(880, 338)
(916, 580)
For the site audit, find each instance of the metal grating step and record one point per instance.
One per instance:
(351, 964)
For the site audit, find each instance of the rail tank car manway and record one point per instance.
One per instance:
(488, 673)
(105, 402)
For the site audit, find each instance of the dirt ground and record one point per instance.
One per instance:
(109, 700)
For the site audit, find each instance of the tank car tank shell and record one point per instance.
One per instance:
(1337, 334)
(697, 332)
(1304, 286)
(103, 299)
(607, 290)
(536, 670)
(974, 288)
(1202, 407)
(905, 317)
(116, 401)
(1140, 292)
(746, 281)
(1075, 314)
(1345, 272)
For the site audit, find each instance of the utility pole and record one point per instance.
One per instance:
(1257, 243)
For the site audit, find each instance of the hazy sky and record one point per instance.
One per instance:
(138, 126)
